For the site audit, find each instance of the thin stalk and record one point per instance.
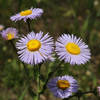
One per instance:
(28, 25)
(18, 9)
(88, 92)
(29, 29)
(50, 74)
(38, 83)
(78, 97)
(11, 42)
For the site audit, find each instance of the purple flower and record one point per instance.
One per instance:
(72, 49)
(9, 33)
(27, 14)
(35, 48)
(63, 87)
(1, 27)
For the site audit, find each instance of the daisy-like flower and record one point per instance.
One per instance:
(1, 27)
(27, 14)
(72, 49)
(63, 87)
(35, 48)
(9, 33)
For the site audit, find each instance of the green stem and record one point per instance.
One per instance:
(19, 8)
(38, 83)
(80, 94)
(78, 97)
(50, 74)
(11, 42)
(28, 24)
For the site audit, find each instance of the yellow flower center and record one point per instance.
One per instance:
(33, 45)
(10, 36)
(63, 84)
(73, 48)
(26, 12)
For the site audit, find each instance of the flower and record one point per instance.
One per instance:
(63, 87)
(72, 49)
(98, 90)
(9, 33)
(35, 48)
(27, 14)
(1, 27)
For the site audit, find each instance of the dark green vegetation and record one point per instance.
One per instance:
(80, 17)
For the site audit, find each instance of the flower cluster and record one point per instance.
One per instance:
(35, 48)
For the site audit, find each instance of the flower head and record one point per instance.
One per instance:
(72, 49)
(35, 48)
(9, 33)
(1, 27)
(27, 14)
(63, 87)
(98, 90)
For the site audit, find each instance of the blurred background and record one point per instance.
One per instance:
(78, 17)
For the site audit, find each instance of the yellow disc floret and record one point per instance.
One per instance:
(63, 84)
(10, 36)
(26, 12)
(73, 48)
(33, 45)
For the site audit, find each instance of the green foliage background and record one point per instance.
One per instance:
(80, 17)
